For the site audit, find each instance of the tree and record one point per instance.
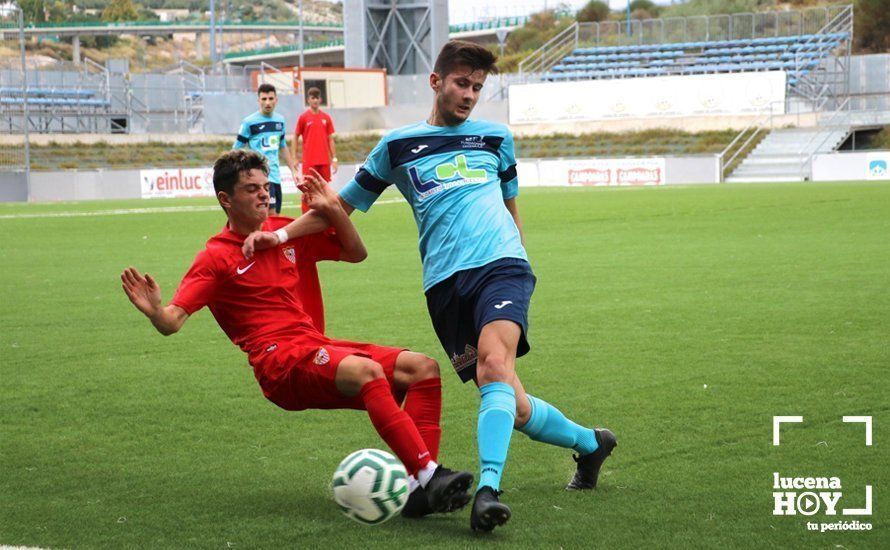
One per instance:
(872, 19)
(647, 5)
(593, 11)
(120, 10)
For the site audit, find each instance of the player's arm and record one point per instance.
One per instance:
(145, 294)
(296, 146)
(333, 151)
(307, 224)
(509, 178)
(514, 211)
(322, 198)
(289, 160)
(243, 137)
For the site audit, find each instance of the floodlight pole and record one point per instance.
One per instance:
(21, 18)
(301, 35)
(628, 19)
(212, 37)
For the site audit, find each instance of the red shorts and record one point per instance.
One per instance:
(324, 171)
(298, 377)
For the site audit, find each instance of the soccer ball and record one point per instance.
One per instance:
(370, 486)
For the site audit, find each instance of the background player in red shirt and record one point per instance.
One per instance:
(258, 305)
(315, 130)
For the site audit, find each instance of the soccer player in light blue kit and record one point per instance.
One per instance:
(264, 132)
(459, 177)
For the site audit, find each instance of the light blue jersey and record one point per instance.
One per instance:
(456, 179)
(265, 135)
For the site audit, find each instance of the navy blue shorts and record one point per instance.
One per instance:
(468, 300)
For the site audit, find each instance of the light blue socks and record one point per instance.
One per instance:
(496, 416)
(548, 425)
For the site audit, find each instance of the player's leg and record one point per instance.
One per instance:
(445, 489)
(275, 191)
(543, 422)
(418, 376)
(495, 372)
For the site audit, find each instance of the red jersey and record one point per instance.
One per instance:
(315, 128)
(259, 301)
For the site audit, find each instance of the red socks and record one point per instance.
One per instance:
(423, 403)
(395, 426)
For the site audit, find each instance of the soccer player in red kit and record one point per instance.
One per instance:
(316, 131)
(258, 305)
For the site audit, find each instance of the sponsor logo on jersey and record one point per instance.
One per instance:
(290, 254)
(322, 357)
(448, 175)
(273, 347)
(270, 143)
(419, 148)
(464, 360)
(473, 142)
(503, 304)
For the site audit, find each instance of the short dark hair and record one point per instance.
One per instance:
(230, 165)
(313, 92)
(266, 88)
(460, 53)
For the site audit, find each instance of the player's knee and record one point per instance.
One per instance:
(425, 368)
(523, 412)
(370, 371)
(492, 367)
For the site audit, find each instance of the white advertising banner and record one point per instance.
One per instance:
(877, 166)
(592, 172)
(169, 183)
(660, 96)
(852, 166)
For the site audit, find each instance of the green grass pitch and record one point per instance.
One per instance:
(777, 297)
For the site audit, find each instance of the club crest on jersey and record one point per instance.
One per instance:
(290, 254)
(322, 357)
(464, 360)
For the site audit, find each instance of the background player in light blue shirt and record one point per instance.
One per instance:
(264, 132)
(459, 176)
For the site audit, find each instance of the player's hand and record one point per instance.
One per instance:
(334, 167)
(143, 291)
(319, 195)
(258, 240)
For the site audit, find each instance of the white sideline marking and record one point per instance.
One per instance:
(126, 211)
(5, 547)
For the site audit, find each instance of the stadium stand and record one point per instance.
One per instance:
(797, 55)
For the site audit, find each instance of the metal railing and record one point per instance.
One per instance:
(740, 145)
(838, 120)
(552, 51)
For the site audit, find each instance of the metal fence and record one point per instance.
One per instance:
(15, 151)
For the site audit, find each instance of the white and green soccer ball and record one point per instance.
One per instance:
(370, 486)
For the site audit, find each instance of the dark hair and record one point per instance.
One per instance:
(313, 92)
(230, 165)
(266, 88)
(460, 53)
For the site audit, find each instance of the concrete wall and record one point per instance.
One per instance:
(13, 187)
(847, 166)
(692, 169)
(76, 186)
